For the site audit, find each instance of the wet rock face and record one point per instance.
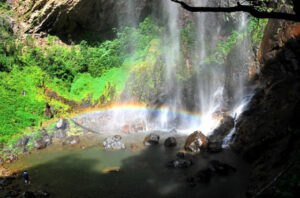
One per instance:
(195, 142)
(152, 139)
(68, 17)
(267, 129)
(113, 143)
(216, 139)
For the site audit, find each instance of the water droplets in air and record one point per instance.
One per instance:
(202, 89)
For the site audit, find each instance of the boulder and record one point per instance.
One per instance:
(152, 139)
(113, 143)
(218, 135)
(195, 142)
(43, 141)
(62, 124)
(180, 163)
(39, 144)
(72, 140)
(170, 142)
(23, 141)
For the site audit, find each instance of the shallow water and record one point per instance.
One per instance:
(78, 173)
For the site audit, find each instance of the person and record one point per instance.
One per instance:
(26, 177)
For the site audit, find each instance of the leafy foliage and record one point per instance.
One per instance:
(254, 31)
(21, 102)
(5, 9)
(97, 72)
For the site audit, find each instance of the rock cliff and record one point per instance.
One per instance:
(69, 18)
(268, 131)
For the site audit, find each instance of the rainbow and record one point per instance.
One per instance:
(139, 107)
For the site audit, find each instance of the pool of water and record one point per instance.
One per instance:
(65, 172)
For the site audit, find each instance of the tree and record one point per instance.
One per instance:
(257, 8)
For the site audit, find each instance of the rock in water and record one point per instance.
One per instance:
(195, 142)
(113, 143)
(151, 139)
(72, 140)
(170, 142)
(180, 163)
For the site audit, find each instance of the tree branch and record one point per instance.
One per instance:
(242, 8)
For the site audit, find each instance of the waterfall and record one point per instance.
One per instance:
(236, 114)
(208, 82)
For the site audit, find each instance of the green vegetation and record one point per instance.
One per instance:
(256, 29)
(86, 72)
(5, 9)
(254, 32)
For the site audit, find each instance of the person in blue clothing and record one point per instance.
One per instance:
(26, 177)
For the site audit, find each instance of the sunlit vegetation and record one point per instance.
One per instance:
(96, 73)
